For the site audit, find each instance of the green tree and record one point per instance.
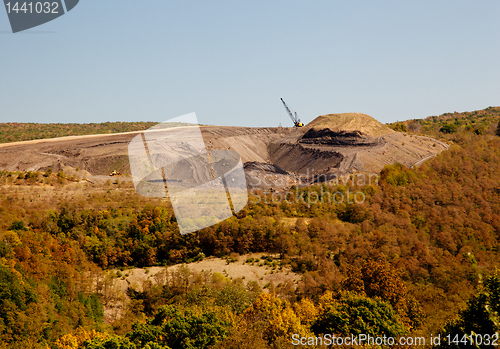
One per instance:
(235, 296)
(354, 314)
(481, 316)
(15, 296)
(177, 329)
(449, 128)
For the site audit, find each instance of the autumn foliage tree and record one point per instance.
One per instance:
(278, 318)
(380, 281)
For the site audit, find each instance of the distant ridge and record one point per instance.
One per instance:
(350, 122)
(19, 132)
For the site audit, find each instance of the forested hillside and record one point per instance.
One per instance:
(478, 122)
(415, 257)
(15, 131)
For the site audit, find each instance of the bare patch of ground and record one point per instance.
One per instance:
(262, 274)
(137, 278)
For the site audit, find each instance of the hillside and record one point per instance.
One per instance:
(17, 132)
(421, 243)
(304, 153)
(445, 125)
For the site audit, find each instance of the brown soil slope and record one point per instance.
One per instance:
(342, 143)
(334, 144)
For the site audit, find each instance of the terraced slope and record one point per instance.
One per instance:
(332, 144)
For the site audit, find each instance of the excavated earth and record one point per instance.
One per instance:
(275, 158)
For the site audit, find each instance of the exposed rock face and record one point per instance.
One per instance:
(326, 136)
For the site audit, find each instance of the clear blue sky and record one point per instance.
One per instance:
(231, 61)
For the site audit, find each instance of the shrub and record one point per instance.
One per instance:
(449, 128)
(481, 314)
(400, 127)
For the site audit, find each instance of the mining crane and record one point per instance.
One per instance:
(296, 121)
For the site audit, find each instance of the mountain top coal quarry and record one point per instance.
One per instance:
(273, 157)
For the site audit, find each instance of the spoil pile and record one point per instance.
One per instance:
(333, 144)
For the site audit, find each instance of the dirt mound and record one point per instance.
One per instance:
(349, 122)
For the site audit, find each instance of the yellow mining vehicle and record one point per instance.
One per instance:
(296, 121)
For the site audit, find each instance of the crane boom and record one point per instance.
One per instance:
(296, 121)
